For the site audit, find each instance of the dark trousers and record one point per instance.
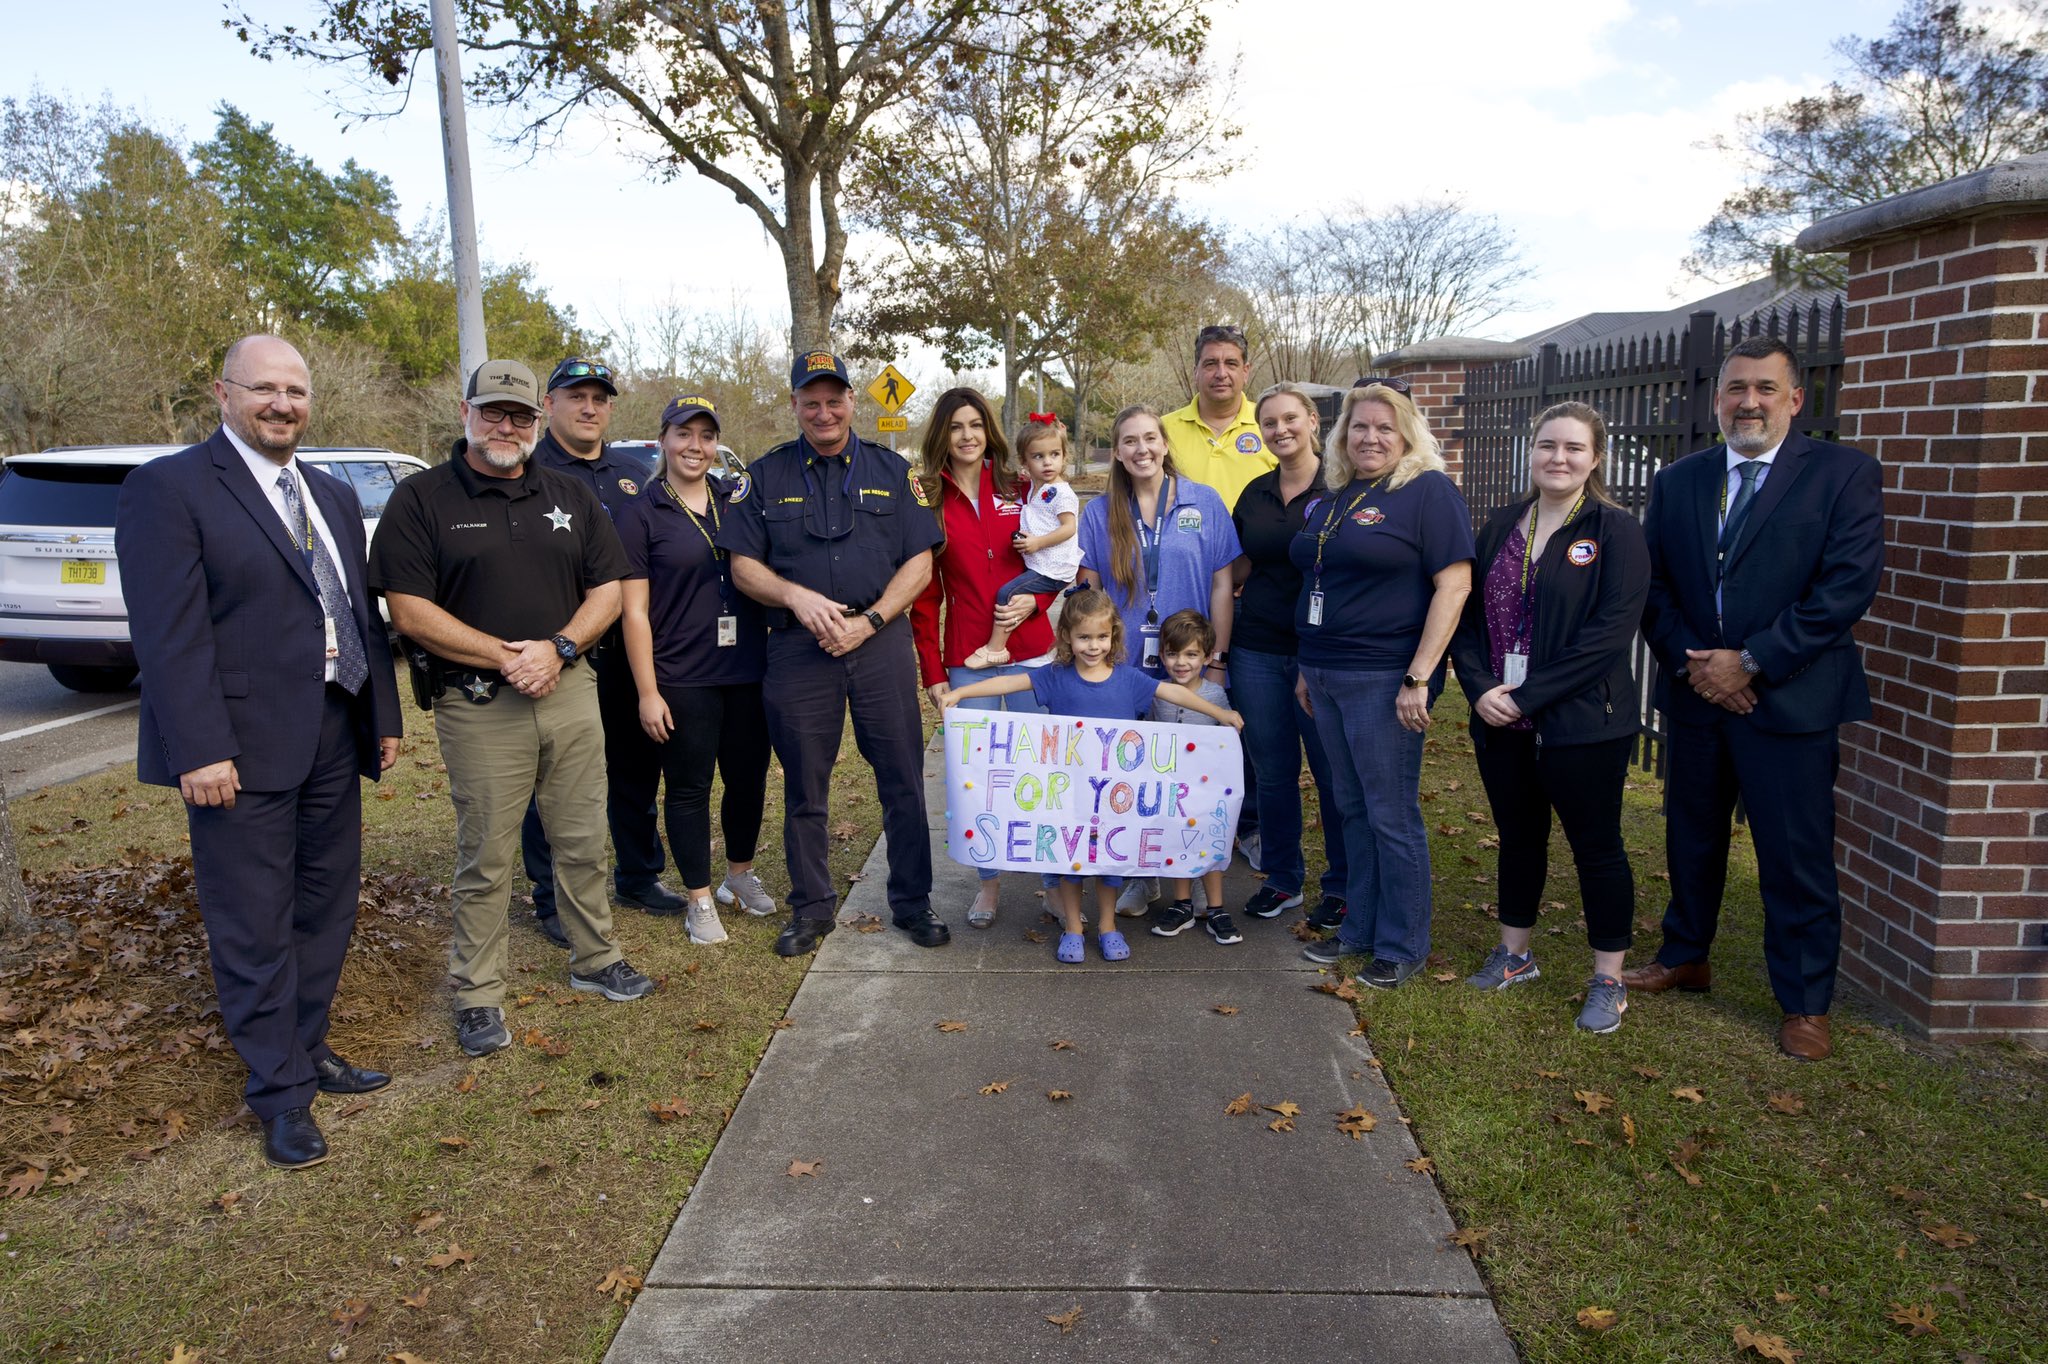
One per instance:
(632, 764)
(807, 695)
(1525, 781)
(278, 878)
(1787, 785)
(723, 728)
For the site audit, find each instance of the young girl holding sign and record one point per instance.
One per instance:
(1088, 679)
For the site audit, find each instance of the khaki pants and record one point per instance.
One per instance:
(499, 755)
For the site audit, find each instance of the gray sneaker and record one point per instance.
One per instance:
(482, 1030)
(1137, 897)
(617, 982)
(701, 923)
(744, 889)
(1502, 969)
(1606, 1002)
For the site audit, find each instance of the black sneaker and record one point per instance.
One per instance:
(1382, 974)
(1222, 930)
(481, 1031)
(1269, 903)
(1328, 914)
(1171, 919)
(551, 924)
(617, 982)
(1329, 951)
(654, 897)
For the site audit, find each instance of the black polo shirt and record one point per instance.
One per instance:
(1265, 528)
(688, 588)
(838, 524)
(615, 476)
(512, 557)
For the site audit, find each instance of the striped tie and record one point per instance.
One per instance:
(351, 668)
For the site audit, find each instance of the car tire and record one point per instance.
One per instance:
(80, 677)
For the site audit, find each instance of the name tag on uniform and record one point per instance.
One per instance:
(728, 631)
(1315, 608)
(333, 643)
(1149, 632)
(1514, 669)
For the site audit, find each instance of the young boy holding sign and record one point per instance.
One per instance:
(1186, 643)
(1088, 679)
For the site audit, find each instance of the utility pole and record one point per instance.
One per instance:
(469, 283)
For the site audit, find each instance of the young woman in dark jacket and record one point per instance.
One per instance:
(1542, 651)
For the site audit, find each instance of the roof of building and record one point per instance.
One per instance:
(1758, 295)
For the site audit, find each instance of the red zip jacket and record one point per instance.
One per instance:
(977, 559)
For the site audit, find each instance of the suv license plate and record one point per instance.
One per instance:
(82, 571)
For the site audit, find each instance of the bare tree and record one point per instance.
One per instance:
(1300, 315)
(1421, 270)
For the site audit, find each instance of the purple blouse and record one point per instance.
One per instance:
(1510, 614)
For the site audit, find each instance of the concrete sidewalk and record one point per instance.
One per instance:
(946, 1224)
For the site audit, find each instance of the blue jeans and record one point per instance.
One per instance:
(1377, 768)
(1031, 581)
(1017, 703)
(1278, 730)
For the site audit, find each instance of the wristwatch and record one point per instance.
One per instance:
(875, 620)
(1749, 665)
(1411, 680)
(566, 647)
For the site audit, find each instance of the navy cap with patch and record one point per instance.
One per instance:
(813, 365)
(684, 406)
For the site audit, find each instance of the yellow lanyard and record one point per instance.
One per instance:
(710, 505)
(1529, 539)
(1333, 524)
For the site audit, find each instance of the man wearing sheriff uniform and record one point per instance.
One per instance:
(832, 534)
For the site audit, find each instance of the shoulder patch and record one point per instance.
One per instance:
(628, 487)
(742, 484)
(917, 490)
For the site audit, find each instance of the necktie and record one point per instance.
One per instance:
(1738, 510)
(351, 668)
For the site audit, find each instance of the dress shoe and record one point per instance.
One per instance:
(1693, 977)
(339, 1077)
(653, 897)
(926, 929)
(551, 924)
(292, 1140)
(800, 936)
(1804, 1037)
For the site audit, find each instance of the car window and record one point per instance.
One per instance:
(372, 481)
(81, 496)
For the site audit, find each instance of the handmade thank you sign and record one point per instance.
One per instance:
(1050, 793)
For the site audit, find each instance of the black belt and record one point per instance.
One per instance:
(479, 686)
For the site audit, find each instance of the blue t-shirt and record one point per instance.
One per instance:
(688, 589)
(1126, 694)
(1382, 551)
(1196, 538)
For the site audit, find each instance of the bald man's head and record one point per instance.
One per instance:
(266, 394)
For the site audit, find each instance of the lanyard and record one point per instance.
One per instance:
(306, 542)
(1529, 537)
(711, 506)
(1333, 521)
(1150, 551)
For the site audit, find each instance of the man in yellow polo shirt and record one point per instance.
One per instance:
(1215, 439)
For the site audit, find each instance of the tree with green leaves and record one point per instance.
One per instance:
(1946, 91)
(307, 242)
(1040, 166)
(769, 102)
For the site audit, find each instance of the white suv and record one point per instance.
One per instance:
(60, 586)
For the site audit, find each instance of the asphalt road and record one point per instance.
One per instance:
(49, 734)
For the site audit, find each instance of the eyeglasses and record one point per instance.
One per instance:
(570, 370)
(519, 418)
(271, 392)
(1399, 386)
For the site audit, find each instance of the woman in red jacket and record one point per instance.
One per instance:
(967, 463)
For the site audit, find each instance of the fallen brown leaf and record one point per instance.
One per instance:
(1906, 1195)
(1062, 1044)
(1593, 1101)
(1628, 1130)
(1949, 1236)
(1226, 1009)
(68, 1176)
(418, 1299)
(1787, 1103)
(1770, 1347)
(1058, 1094)
(869, 923)
(350, 1314)
(1281, 1124)
(1286, 1108)
(1301, 929)
(1550, 1075)
(1238, 1107)
(1355, 1122)
(1422, 1165)
(805, 1167)
(1342, 989)
(1690, 1093)
(425, 1221)
(995, 1086)
(1919, 1317)
(620, 1283)
(952, 1025)
(589, 1104)
(669, 1110)
(1065, 1320)
(181, 1355)
(454, 1255)
(455, 1143)
(704, 1025)
(466, 1083)
(1781, 1296)
(1471, 1238)
(350, 1110)
(1649, 1072)
(1597, 1319)
(226, 1202)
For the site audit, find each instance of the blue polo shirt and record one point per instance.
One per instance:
(1126, 694)
(1383, 549)
(688, 588)
(1195, 538)
(838, 524)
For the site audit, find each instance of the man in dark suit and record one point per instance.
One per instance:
(267, 689)
(1764, 553)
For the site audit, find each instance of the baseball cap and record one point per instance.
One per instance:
(576, 370)
(684, 406)
(817, 364)
(503, 381)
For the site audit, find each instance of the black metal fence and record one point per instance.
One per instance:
(1657, 393)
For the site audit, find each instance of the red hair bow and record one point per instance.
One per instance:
(1045, 418)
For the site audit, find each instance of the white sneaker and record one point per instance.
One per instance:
(701, 923)
(1138, 895)
(743, 888)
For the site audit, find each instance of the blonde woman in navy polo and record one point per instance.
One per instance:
(1386, 561)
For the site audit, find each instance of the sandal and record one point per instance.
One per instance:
(984, 658)
(980, 917)
(1073, 948)
(1114, 948)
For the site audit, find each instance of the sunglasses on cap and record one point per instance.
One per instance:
(570, 371)
(1220, 331)
(1399, 386)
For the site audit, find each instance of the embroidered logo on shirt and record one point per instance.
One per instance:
(558, 519)
(1582, 552)
(1368, 516)
(742, 484)
(917, 491)
(628, 487)
(1248, 444)
(1188, 518)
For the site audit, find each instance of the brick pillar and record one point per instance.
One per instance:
(1435, 371)
(1943, 796)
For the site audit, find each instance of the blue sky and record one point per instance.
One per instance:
(1577, 122)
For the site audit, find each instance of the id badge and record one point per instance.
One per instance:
(1514, 670)
(1150, 634)
(333, 643)
(1315, 608)
(728, 631)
